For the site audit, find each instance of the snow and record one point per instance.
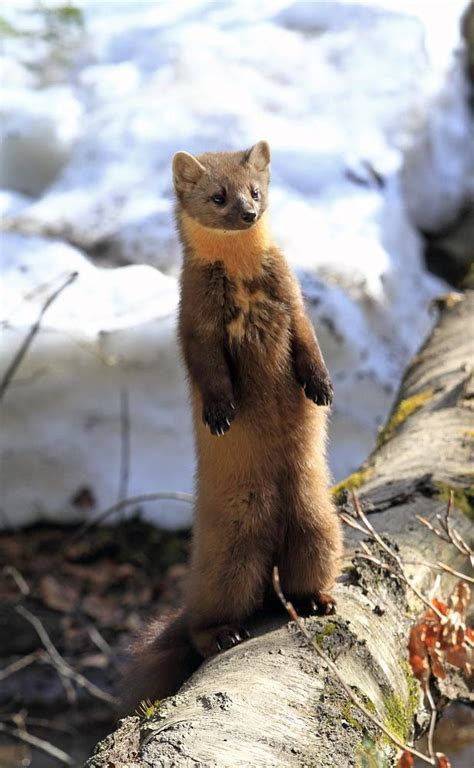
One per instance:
(38, 130)
(109, 332)
(364, 106)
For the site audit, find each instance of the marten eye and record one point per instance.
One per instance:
(255, 194)
(218, 198)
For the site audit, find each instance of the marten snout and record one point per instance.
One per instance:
(248, 216)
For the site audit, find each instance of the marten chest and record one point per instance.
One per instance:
(254, 313)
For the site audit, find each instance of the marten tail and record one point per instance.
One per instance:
(160, 662)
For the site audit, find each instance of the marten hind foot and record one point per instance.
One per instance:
(212, 640)
(315, 604)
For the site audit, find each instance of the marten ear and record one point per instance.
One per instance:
(187, 170)
(259, 156)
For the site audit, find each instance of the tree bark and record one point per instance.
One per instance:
(271, 701)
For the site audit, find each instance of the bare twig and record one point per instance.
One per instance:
(443, 567)
(366, 549)
(369, 529)
(448, 533)
(400, 573)
(448, 569)
(10, 570)
(431, 527)
(431, 729)
(26, 343)
(25, 380)
(25, 661)
(42, 288)
(368, 555)
(380, 564)
(348, 520)
(21, 719)
(133, 500)
(101, 643)
(124, 444)
(314, 645)
(64, 669)
(41, 744)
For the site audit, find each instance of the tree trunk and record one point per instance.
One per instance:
(271, 701)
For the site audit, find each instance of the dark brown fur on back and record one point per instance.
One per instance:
(258, 382)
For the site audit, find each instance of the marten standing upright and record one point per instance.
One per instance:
(257, 376)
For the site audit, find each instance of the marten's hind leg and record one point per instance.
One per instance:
(310, 559)
(231, 563)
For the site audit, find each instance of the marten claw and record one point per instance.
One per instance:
(325, 604)
(318, 604)
(217, 416)
(320, 391)
(230, 638)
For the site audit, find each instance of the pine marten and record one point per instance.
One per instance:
(258, 381)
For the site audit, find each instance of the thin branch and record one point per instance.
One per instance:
(25, 380)
(27, 341)
(20, 719)
(431, 528)
(41, 744)
(380, 564)
(124, 445)
(366, 549)
(400, 574)
(101, 643)
(20, 581)
(20, 664)
(431, 729)
(448, 533)
(43, 635)
(376, 537)
(448, 569)
(133, 500)
(447, 512)
(433, 566)
(348, 520)
(314, 645)
(64, 669)
(439, 566)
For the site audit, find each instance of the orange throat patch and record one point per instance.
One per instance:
(241, 251)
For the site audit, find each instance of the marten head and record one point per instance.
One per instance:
(224, 190)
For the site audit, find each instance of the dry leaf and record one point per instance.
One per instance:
(436, 641)
(84, 498)
(443, 761)
(58, 595)
(103, 609)
(406, 760)
(97, 660)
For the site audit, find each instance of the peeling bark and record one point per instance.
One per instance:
(271, 701)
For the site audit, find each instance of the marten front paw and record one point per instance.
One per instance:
(218, 414)
(318, 388)
(314, 378)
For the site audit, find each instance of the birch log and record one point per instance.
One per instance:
(271, 701)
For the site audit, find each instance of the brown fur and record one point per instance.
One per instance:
(256, 372)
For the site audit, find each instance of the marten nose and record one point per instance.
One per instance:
(249, 216)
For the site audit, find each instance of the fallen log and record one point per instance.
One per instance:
(271, 701)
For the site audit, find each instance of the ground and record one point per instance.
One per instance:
(91, 595)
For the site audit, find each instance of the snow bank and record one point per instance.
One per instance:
(363, 105)
(109, 332)
(37, 131)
